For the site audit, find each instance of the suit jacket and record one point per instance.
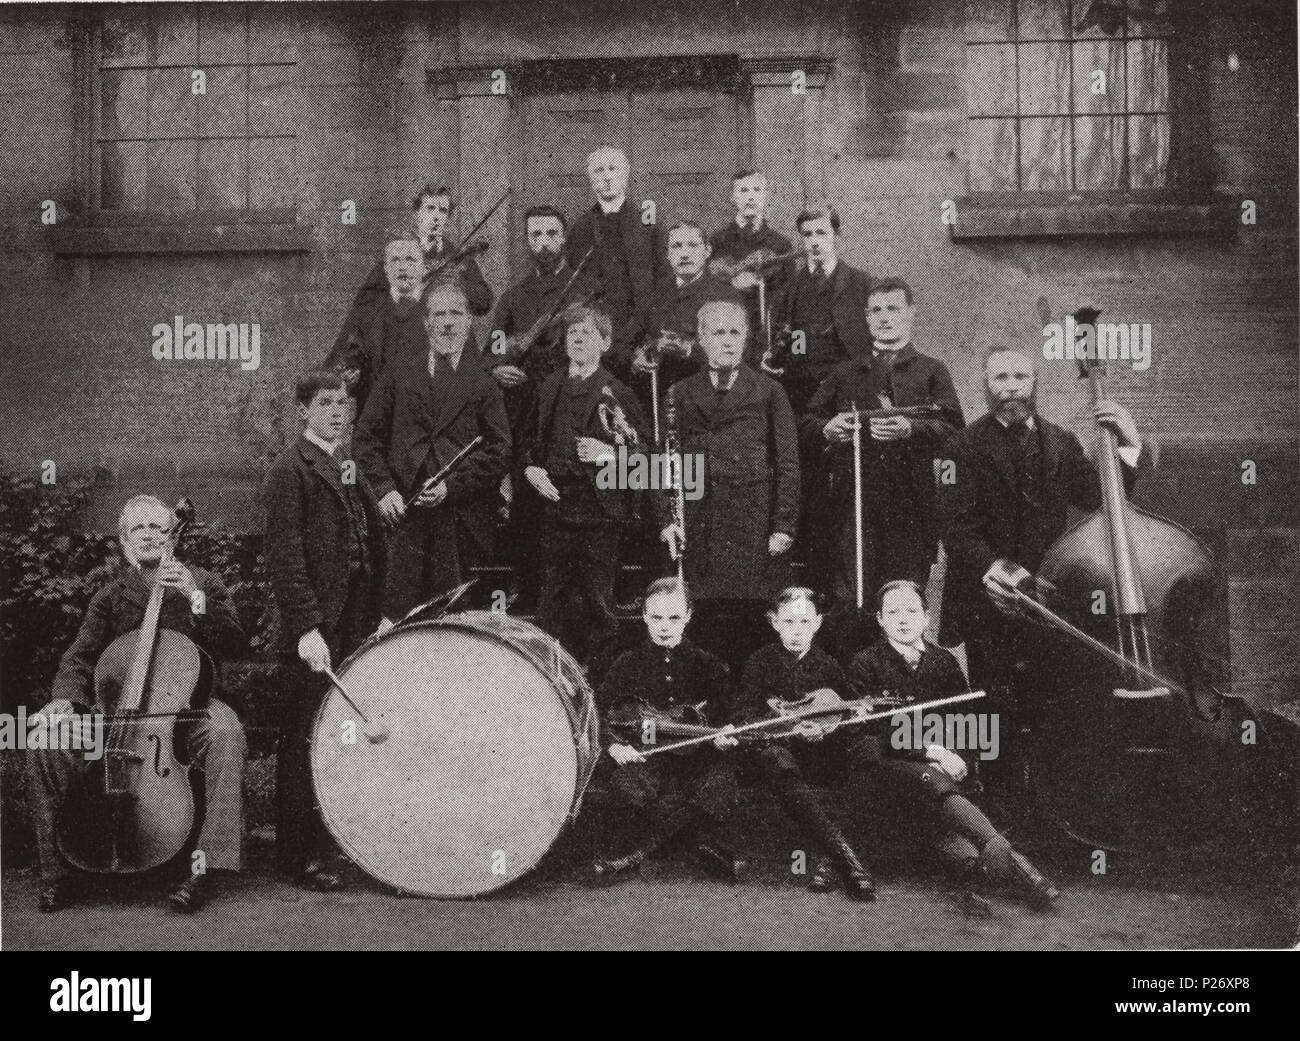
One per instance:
(748, 441)
(898, 475)
(646, 258)
(119, 607)
(849, 287)
(664, 679)
(731, 243)
(414, 425)
(615, 502)
(307, 546)
(676, 309)
(375, 289)
(394, 332)
(881, 669)
(526, 301)
(773, 672)
(987, 516)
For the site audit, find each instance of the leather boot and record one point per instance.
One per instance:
(722, 861)
(857, 883)
(824, 878)
(999, 861)
(605, 871)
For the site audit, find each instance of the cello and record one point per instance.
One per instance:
(1135, 746)
(136, 809)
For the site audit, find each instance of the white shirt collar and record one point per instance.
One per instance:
(612, 207)
(743, 222)
(433, 244)
(397, 296)
(320, 442)
(828, 266)
(713, 377)
(1029, 423)
(688, 281)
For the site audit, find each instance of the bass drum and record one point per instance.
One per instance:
(493, 738)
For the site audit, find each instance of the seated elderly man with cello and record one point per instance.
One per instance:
(195, 604)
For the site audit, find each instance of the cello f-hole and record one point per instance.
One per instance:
(158, 768)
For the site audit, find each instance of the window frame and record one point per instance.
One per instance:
(90, 133)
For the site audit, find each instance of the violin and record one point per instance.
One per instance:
(755, 263)
(136, 809)
(1137, 747)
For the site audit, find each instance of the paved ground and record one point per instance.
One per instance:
(672, 906)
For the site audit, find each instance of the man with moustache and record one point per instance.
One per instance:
(743, 237)
(826, 301)
(900, 522)
(396, 329)
(1016, 475)
(432, 207)
(628, 258)
(196, 604)
(737, 422)
(421, 413)
(670, 341)
(541, 292)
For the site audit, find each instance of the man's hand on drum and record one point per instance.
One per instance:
(625, 754)
(674, 538)
(724, 740)
(314, 651)
(432, 496)
(1002, 582)
(541, 482)
(392, 508)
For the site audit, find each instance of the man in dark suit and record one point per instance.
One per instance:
(521, 369)
(1016, 476)
(396, 328)
(588, 433)
(900, 533)
(746, 235)
(671, 326)
(432, 208)
(629, 252)
(421, 413)
(738, 434)
(324, 553)
(823, 308)
(196, 604)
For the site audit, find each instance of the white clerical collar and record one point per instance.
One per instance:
(910, 651)
(887, 348)
(611, 207)
(827, 265)
(327, 447)
(398, 296)
(688, 281)
(1029, 423)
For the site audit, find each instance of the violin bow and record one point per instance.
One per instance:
(468, 240)
(794, 717)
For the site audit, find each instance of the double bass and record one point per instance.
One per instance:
(135, 810)
(1134, 746)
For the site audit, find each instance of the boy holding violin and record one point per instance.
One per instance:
(197, 605)
(666, 680)
(787, 670)
(904, 786)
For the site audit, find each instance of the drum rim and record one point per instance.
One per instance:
(581, 778)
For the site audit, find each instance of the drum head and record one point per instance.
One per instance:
(478, 776)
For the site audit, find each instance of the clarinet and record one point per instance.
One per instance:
(673, 457)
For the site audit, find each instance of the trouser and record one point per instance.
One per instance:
(1005, 658)
(300, 834)
(672, 793)
(576, 601)
(427, 555)
(214, 746)
(915, 799)
(781, 773)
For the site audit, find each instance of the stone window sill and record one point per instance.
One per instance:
(979, 219)
(106, 240)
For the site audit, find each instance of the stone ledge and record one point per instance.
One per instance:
(180, 238)
(1010, 220)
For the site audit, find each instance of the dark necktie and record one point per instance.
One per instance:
(724, 381)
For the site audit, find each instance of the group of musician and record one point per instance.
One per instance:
(762, 360)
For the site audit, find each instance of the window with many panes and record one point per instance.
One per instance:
(1068, 96)
(193, 111)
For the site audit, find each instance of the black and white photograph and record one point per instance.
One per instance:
(535, 475)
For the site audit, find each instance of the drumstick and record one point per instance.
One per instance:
(375, 733)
